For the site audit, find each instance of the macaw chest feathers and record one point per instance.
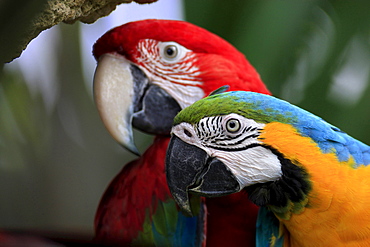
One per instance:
(286, 195)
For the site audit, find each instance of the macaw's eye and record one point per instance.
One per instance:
(233, 125)
(170, 51)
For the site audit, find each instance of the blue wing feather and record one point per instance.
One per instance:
(171, 228)
(267, 229)
(327, 136)
(189, 237)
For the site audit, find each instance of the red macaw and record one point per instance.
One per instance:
(148, 71)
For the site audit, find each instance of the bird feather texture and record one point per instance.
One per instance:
(137, 206)
(328, 203)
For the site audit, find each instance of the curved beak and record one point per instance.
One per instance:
(114, 94)
(190, 169)
(125, 97)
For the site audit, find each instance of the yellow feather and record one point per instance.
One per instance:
(338, 210)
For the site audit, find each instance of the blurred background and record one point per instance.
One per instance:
(56, 158)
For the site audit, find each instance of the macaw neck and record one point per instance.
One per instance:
(153, 161)
(337, 207)
(237, 215)
(160, 141)
(155, 155)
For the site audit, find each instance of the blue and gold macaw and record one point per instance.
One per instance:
(310, 179)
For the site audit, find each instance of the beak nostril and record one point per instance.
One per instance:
(186, 132)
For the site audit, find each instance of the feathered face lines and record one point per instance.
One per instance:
(233, 139)
(227, 133)
(173, 68)
(269, 178)
(168, 58)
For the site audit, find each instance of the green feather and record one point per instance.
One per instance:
(164, 221)
(146, 236)
(165, 218)
(224, 104)
(220, 90)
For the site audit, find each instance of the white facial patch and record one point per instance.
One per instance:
(184, 95)
(240, 150)
(172, 67)
(254, 165)
(186, 132)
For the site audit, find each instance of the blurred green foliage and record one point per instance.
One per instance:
(55, 162)
(299, 47)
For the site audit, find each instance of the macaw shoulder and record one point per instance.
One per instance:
(337, 148)
(339, 195)
(328, 175)
(327, 137)
(331, 139)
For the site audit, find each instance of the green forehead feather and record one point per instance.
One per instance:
(230, 102)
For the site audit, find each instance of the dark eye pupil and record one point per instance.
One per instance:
(233, 125)
(170, 51)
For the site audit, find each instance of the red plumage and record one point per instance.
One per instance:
(219, 61)
(121, 213)
(138, 186)
(231, 221)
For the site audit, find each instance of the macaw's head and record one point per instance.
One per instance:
(238, 140)
(149, 70)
